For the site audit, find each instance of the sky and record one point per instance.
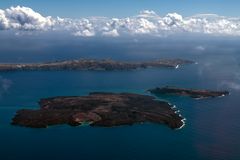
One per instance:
(123, 8)
(30, 30)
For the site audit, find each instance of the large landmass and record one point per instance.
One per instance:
(194, 93)
(99, 109)
(88, 64)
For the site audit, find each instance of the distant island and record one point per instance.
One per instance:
(88, 64)
(99, 109)
(194, 93)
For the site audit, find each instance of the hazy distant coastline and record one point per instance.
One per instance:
(90, 64)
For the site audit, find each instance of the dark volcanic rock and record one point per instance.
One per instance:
(99, 109)
(85, 64)
(194, 93)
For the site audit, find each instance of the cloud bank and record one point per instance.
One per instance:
(24, 19)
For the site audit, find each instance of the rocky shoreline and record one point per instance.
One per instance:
(99, 109)
(89, 64)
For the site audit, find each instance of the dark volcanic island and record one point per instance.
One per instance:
(99, 109)
(193, 93)
(88, 64)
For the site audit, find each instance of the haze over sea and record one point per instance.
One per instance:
(212, 126)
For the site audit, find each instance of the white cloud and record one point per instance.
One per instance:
(200, 48)
(5, 84)
(24, 18)
(147, 22)
(84, 33)
(112, 33)
(147, 13)
(173, 19)
(232, 85)
(3, 20)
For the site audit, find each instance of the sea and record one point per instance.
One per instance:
(212, 129)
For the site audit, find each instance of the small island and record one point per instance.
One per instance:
(90, 64)
(99, 109)
(193, 93)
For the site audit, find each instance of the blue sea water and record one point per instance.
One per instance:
(212, 126)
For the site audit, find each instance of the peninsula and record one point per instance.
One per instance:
(89, 64)
(99, 109)
(194, 93)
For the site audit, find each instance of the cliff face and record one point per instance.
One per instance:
(99, 109)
